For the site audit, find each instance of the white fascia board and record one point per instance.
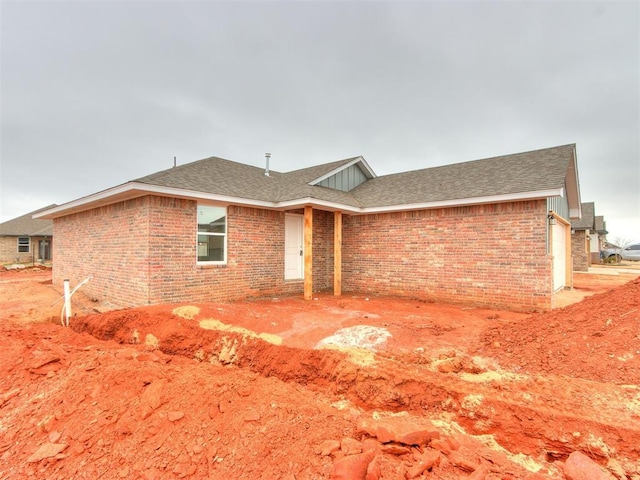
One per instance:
(314, 202)
(512, 197)
(131, 190)
(365, 165)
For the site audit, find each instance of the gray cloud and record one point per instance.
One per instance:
(97, 93)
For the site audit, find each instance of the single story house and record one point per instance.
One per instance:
(492, 232)
(598, 241)
(26, 239)
(588, 236)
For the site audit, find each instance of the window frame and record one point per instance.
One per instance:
(28, 244)
(212, 234)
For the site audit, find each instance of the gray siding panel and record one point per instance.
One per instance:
(345, 180)
(559, 205)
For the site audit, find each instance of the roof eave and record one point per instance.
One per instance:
(573, 187)
(133, 190)
(461, 202)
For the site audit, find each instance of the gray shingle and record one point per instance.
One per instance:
(587, 222)
(26, 225)
(509, 174)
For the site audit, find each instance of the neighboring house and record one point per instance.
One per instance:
(599, 240)
(588, 236)
(492, 232)
(25, 239)
(581, 230)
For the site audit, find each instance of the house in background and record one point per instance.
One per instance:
(588, 236)
(25, 239)
(599, 240)
(492, 232)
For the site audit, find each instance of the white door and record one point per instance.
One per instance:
(293, 243)
(559, 252)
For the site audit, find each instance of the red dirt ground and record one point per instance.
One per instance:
(239, 390)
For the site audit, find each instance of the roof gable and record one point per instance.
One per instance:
(346, 177)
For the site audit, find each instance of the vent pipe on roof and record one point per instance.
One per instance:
(174, 161)
(267, 157)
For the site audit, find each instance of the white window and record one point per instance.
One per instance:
(24, 244)
(212, 234)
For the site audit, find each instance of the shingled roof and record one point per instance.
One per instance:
(535, 174)
(538, 170)
(26, 225)
(587, 222)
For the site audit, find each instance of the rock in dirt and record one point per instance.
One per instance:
(427, 460)
(328, 447)
(580, 467)
(399, 428)
(352, 467)
(47, 450)
(350, 446)
(175, 416)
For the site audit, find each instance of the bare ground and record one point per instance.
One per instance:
(338, 387)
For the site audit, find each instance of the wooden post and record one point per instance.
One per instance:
(337, 253)
(308, 252)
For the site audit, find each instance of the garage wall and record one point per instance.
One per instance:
(492, 255)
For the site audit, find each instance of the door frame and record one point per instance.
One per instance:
(300, 227)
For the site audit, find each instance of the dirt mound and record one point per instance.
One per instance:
(597, 339)
(224, 391)
(76, 407)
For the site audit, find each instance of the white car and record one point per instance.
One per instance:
(630, 252)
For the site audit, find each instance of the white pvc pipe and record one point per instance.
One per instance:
(67, 304)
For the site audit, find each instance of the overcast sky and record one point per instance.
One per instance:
(95, 94)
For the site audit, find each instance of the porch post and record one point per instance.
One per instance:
(337, 253)
(308, 252)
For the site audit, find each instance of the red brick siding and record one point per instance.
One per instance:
(143, 251)
(492, 255)
(581, 256)
(322, 251)
(109, 243)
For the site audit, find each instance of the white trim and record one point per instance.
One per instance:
(213, 234)
(511, 197)
(369, 173)
(300, 267)
(132, 190)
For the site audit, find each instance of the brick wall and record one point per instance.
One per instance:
(109, 243)
(492, 255)
(322, 251)
(580, 251)
(143, 251)
(9, 250)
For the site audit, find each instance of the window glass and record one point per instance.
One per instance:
(23, 244)
(212, 228)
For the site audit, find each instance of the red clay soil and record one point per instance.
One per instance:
(241, 390)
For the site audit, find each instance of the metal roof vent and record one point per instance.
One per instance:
(267, 157)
